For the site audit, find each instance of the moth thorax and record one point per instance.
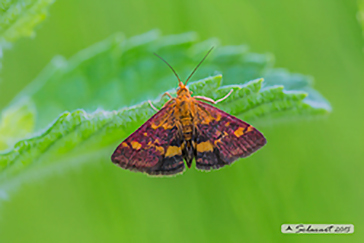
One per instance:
(184, 109)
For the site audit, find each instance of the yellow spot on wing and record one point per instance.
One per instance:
(220, 139)
(136, 145)
(207, 119)
(160, 149)
(217, 141)
(205, 147)
(145, 134)
(165, 125)
(173, 150)
(250, 128)
(124, 144)
(227, 124)
(239, 132)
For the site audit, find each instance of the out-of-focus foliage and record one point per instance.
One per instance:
(19, 17)
(16, 123)
(310, 171)
(361, 13)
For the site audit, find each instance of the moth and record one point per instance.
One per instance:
(187, 128)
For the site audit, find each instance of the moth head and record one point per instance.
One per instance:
(182, 89)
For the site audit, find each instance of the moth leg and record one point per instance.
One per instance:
(168, 94)
(211, 100)
(150, 103)
(169, 101)
(205, 99)
(225, 97)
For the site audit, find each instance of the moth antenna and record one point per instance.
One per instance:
(179, 80)
(194, 70)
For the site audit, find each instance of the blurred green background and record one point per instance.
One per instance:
(309, 172)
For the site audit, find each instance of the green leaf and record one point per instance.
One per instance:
(19, 17)
(16, 123)
(118, 72)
